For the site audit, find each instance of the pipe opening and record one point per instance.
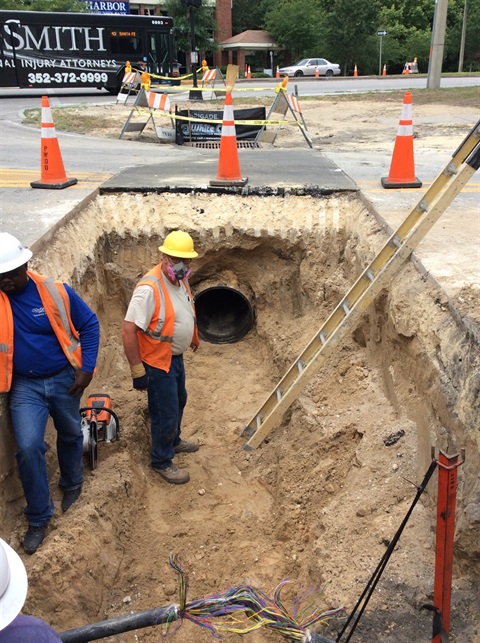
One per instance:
(224, 315)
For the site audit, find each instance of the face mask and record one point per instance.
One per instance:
(178, 271)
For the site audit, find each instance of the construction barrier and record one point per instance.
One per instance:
(284, 103)
(402, 167)
(210, 78)
(130, 83)
(228, 171)
(146, 104)
(52, 170)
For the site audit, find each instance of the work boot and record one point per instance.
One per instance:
(69, 497)
(186, 447)
(173, 474)
(33, 539)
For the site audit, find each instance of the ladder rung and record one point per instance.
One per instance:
(422, 206)
(258, 421)
(369, 274)
(451, 169)
(396, 241)
(345, 307)
(300, 366)
(323, 338)
(278, 393)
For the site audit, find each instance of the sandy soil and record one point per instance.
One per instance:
(320, 501)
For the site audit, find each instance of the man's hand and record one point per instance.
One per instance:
(194, 347)
(82, 380)
(141, 383)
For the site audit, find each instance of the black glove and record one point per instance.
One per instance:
(140, 383)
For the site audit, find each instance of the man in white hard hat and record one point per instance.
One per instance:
(49, 342)
(14, 627)
(160, 325)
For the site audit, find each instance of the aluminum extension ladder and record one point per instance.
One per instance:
(465, 161)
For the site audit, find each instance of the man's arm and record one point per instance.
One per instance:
(87, 326)
(132, 353)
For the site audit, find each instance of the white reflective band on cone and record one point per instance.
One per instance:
(406, 112)
(228, 130)
(405, 130)
(47, 115)
(48, 132)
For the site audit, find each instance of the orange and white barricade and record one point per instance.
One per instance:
(130, 83)
(158, 101)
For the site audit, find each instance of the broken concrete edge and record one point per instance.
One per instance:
(38, 245)
(246, 190)
(471, 329)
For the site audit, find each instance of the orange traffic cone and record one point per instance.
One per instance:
(317, 75)
(402, 168)
(249, 73)
(228, 172)
(355, 71)
(277, 75)
(384, 72)
(51, 164)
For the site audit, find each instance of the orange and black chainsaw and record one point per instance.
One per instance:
(99, 424)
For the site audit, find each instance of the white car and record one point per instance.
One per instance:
(307, 67)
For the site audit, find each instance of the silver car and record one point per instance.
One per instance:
(307, 67)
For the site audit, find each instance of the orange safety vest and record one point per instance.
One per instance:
(57, 308)
(155, 343)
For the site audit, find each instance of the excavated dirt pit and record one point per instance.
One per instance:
(320, 500)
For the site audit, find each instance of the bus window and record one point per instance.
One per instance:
(125, 42)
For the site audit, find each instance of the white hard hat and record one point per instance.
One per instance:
(12, 253)
(13, 584)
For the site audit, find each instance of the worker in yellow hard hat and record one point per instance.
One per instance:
(160, 325)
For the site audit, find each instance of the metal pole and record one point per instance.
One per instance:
(462, 41)
(194, 95)
(446, 501)
(437, 45)
(380, 59)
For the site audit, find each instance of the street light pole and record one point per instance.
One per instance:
(194, 93)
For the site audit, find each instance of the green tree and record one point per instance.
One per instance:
(249, 14)
(297, 25)
(43, 5)
(351, 37)
(204, 28)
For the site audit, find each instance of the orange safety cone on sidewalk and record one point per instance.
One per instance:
(317, 75)
(384, 72)
(249, 73)
(228, 172)
(277, 74)
(355, 71)
(402, 168)
(52, 170)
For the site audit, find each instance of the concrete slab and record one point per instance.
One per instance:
(300, 171)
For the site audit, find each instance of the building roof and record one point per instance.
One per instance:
(250, 39)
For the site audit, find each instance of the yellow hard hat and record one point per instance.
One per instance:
(178, 244)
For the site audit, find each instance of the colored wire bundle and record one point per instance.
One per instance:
(246, 609)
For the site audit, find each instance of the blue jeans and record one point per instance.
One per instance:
(167, 397)
(32, 400)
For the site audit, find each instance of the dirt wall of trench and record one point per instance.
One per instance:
(319, 500)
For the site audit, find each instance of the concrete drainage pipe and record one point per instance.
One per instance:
(225, 312)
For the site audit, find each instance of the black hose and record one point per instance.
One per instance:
(120, 624)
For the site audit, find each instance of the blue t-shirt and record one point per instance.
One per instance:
(36, 349)
(28, 629)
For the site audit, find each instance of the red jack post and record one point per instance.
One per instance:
(446, 503)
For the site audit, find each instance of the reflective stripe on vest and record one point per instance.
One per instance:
(156, 333)
(59, 317)
(6, 344)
